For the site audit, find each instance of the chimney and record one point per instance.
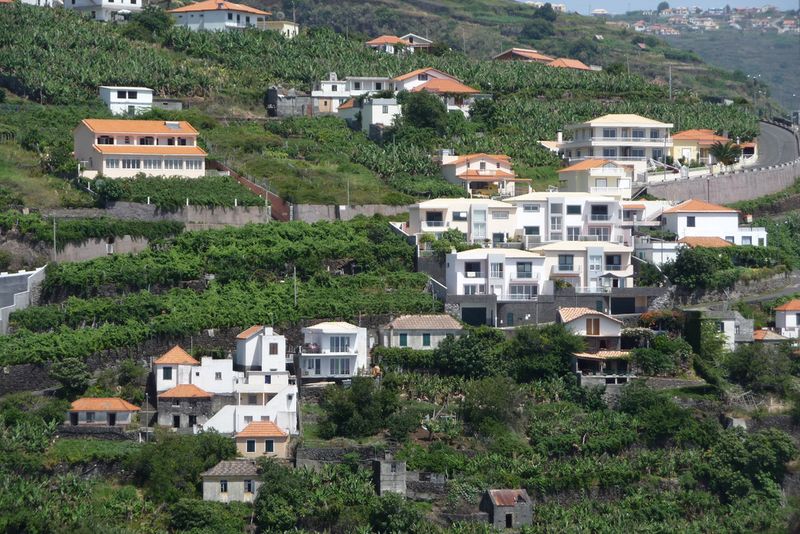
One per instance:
(220, 5)
(560, 137)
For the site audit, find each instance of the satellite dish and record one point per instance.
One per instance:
(280, 15)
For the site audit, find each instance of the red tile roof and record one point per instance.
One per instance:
(250, 332)
(387, 39)
(767, 335)
(480, 155)
(121, 126)
(176, 356)
(705, 241)
(585, 165)
(603, 355)
(348, 104)
(103, 404)
(213, 5)
(421, 71)
(792, 305)
(526, 53)
(567, 63)
(703, 136)
(425, 322)
(568, 315)
(442, 86)
(698, 206)
(262, 429)
(185, 391)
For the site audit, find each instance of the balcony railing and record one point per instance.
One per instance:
(517, 296)
(613, 267)
(474, 274)
(660, 140)
(435, 224)
(530, 277)
(599, 217)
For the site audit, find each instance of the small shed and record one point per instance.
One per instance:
(507, 508)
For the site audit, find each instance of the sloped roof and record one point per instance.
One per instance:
(155, 150)
(387, 39)
(705, 241)
(767, 335)
(527, 53)
(566, 63)
(421, 71)
(792, 305)
(262, 429)
(626, 119)
(440, 321)
(213, 5)
(634, 206)
(478, 156)
(103, 404)
(250, 332)
(568, 315)
(333, 326)
(439, 85)
(603, 355)
(233, 468)
(585, 165)
(121, 126)
(701, 135)
(348, 104)
(185, 391)
(508, 497)
(698, 206)
(176, 356)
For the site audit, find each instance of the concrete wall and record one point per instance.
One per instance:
(235, 493)
(97, 247)
(17, 292)
(330, 212)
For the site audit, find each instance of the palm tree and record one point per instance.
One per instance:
(727, 154)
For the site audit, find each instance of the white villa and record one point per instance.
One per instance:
(391, 44)
(333, 350)
(105, 10)
(124, 148)
(329, 94)
(787, 319)
(485, 175)
(509, 274)
(372, 112)
(420, 332)
(598, 177)
(217, 15)
(454, 94)
(588, 266)
(481, 220)
(127, 100)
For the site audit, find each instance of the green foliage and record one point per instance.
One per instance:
(759, 367)
(73, 375)
(85, 451)
(423, 110)
(192, 515)
(491, 399)
(391, 358)
(170, 468)
(473, 355)
(393, 513)
(665, 355)
(726, 153)
(356, 411)
(536, 353)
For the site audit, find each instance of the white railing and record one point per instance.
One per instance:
(660, 140)
(610, 190)
(434, 224)
(531, 278)
(599, 217)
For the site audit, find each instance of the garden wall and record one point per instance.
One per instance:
(329, 212)
(97, 247)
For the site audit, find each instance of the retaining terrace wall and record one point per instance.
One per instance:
(329, 212)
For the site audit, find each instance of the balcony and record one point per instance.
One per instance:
(567, 268)
(600, 217)
(613, 267)
(617, 191)
(434, 224)
(517, 297)
(474, 274)
(531, 277)
(612, 171)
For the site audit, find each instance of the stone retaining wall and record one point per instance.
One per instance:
(325, 212)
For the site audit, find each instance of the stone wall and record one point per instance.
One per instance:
(110, 433)
(316, 457)
(97, 247)
(329, 212)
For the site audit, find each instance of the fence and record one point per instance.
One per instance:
(280, 210)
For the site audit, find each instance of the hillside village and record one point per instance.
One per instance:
(263, 277)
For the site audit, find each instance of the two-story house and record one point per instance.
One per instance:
(127, 100)
(598, 177)
(523, 54)
(105, 10)
(262, 438)
(508, 274)
(694, 146)
(331, 93)
(787, 319)
(696, 218)
(333, 350)
(369, 112)
(484, 175)
(391, 44)
(588, 266)
(480, 220)
(454, 94)
(420, 332)
(217, 15)
(124, 148)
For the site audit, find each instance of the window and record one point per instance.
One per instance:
(151, 164)
(609, 132)
(426, 340)
(556, 208)
(378, 86)
(357, 86)
(481, 166)
(501, 215)
(334, 88)
(194, 164)
(310, 364)
(472, 269)
(223, 486)
(247, 20)
(522, 291)
(613, 262)
(496, 270)
(121, 94)
(251, 444)
(760, 241)
(166, 373)
(403, 340)
(269, 446)
(248, 486)
(637, 152)
(248, 419)
(473, 289)
(729, 238)
(720, 327)
(690, 221)
(105, 140)
(459, 215)
(230, 16)
(565, 262)
(182, 141)
(384, 109)
(90, 417)
(524, 269)
(595, 263)
(339, 344)
(340, 366)
(531, 230)
(273, 348)
(479, 224)
(127, 140)
(555, 224)
(112, 164)
(192, 420)
(593, 327)
(268, 379)
(609, 152)
(573, 209)
(173, 164)
(133, 95)
(654, 134)
(573, 233)
(747, 240)
(657, 153)
(422, 77)
(131, 164)
(252, 399)
(637, 133)
(218, 376)
(602, 234)
(530, 208)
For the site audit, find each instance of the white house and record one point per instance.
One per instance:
(509, 274)
(695, 218)
(103, 411)
(287, 28)
(480, 220)
(420, 332)
(391, 44)
(117, 148)
(523, 54)
(105, 10)
(588, 266)
(127, 100)
(217, 15)
(455, 95)
(734, 328)
(329, 94)
(598, 177)
(482, 174)
(259, 348)
(370, 112)
(231, 481)
(787, 319)
(173, 368)
(333, 350)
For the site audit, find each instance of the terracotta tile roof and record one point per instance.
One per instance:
(213, 5)
(634, 206)
(767, 335)
(421, 71)
(348, 104)
(185, 391)
(792, 305)
(250, 332)
(698, 206)
(440, 321)
(567, 63)
(705, 241)
(508, 497)
(702, 135)
(749, 144)
(154, 150)
(387, 39)
(262, 429)
(439, 85)
(479, 156)
(242, 468)
(176, 356)
(120, 126)
(603, 354)
(527, 53)
(570, 314)
(489, 174)
(585, 165)
(103, 404)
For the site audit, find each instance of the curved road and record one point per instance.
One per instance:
(775, 146)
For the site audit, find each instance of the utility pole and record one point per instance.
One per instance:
(670, 83)
(294, 269)
(54, 239)
(348, 192)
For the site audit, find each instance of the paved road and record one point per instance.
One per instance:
(775, 146)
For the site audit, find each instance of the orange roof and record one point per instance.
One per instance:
(154, 150)
(250, 332)
(698, 206)
(213, 5)
(421, 71)
(603, 354)
(634, 206)
(585, 165)
(103, 404)
(749, 144)
(348, 104)
(567, 63)
(176, 356)
(120, 126)
(767, 335)
(567, 314)
(387, 39)
(496, 174)
(185, 391)
(706, 242)
(262, 429)
(702, 136)
(792, 305)
(438, 85)
(526, 53)
(480, 155)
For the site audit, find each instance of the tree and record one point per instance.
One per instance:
(73, 375)
(546, 12)
(760, 367)
(423, 110)
(541, 352)
(196, 515)
(491, 400)
(484, 112)
(537, 28)
(695, 268)
(394, 513)
(360, 410)
(474, 355)
(726, 153)
(662, 6)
